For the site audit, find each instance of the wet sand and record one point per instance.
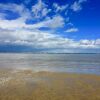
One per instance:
(28, 85)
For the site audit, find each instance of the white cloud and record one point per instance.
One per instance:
(12, 24)
(40, 9)
(41, 39)
(72, 30)
(77, 5)
(59, 8)
(17, 32)
(97, 42)
(20, 9)
(54, 22)
(89, 43)
(70, 24)
(45, 11)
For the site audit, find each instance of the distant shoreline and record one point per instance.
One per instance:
(44, 53)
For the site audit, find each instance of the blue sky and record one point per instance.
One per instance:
(58, 26)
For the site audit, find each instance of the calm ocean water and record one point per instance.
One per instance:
(77, 63)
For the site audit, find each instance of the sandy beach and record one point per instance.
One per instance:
(29, 85)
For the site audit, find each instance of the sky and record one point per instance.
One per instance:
(50, 26)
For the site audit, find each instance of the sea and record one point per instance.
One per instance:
(68, 63)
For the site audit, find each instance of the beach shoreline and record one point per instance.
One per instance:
(29, 85)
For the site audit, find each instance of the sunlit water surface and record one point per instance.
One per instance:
(76, 63)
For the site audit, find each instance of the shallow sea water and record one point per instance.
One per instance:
(72, 63)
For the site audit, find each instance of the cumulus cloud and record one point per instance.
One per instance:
(41, 39)
(17, 32)
(77, 5)
(12, 24)
(55, 22)
(72, 30)
(40, 9)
